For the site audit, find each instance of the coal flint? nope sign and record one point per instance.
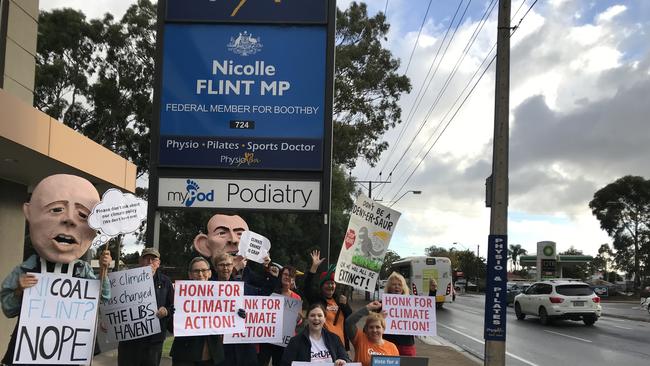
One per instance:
(57, 322)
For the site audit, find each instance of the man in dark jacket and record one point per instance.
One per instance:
(148, 350)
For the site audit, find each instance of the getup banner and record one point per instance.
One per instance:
(208, 307)
(263, 321)
(57, 321)
(410, 315)
(131, 311)
(369, 232)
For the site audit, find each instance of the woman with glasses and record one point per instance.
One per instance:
(271, 351)
(198, 350)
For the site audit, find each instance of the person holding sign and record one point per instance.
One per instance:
(148, 350)
(336, 310)
(370, 341)
(238, 354)
(57, 215)
(198, 350)
(396, 284)
(271, 351)
(315, 343)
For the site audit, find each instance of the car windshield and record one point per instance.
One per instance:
(574, 290)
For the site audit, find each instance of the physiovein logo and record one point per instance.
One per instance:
(192, 194)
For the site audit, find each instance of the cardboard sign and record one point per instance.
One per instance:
(263, 321)
(57, 321)
(410, 315)
(254, 246)
(365, 244)
(117, 213)
(377, 360)
(292, 312)
(208, 307)
(131, 311)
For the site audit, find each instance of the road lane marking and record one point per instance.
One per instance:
(473, 312)
(568, 336)
(482, 342)
(618, 326)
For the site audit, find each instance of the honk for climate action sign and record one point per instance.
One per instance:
(369, 232)
(410, 315)
(263, 321)
(208, 307)
(57, 321)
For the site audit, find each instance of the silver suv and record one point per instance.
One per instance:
(559, 299)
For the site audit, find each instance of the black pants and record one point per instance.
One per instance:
(270, 352)
(143, 353)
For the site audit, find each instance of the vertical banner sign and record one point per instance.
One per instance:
(495, 288)
(131, 311)
(410, 315)
(57, 321)
(263, 321)
(292, 312)
(366, 241)
(208, 307)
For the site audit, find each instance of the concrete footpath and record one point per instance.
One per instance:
(630, 310)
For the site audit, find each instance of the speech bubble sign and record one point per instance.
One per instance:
(254, 246)
(117, 213)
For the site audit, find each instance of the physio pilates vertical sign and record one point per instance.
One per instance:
(57, 322)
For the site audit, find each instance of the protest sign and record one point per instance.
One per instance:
(57, 321)
(263, 321)
(208, 307)
(366, 241)
(117, 213)
(410, 315)
(292, 310)
(254, 246)
(130, 313)
(302, 363)
(379, 360)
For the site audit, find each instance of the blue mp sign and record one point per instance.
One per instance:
(247, 11)
(243, 96)
(495, 288)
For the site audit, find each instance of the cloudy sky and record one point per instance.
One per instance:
(579, 107)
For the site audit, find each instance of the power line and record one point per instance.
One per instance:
(420, 94)
(463, 102)
(417, 39)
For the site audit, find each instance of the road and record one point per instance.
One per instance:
(609, 341)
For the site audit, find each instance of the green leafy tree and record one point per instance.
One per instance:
(514, 252)
(367, 86)
(601, 263)
(623, 209)
(390, 258)
(97, 76)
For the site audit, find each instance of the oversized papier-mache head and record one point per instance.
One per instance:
(57, 214)
(223, 235)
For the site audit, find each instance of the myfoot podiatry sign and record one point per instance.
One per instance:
(57, 321)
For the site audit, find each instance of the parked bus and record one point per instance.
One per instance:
(418, 270)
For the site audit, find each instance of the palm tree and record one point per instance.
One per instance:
(515, 251)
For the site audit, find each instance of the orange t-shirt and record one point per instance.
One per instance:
(364, 349)
(330, 314)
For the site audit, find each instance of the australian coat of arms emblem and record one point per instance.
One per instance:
(245, 44)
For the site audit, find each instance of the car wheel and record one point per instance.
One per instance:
(518, 312)
(589, 320)
(543, 316)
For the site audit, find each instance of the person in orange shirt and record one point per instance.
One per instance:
(369, 341)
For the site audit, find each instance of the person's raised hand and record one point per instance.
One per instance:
(339, 363)
(374, 306)
(343, 299)
(316, 260)
(162, 312)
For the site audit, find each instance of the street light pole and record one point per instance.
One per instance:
(404, 194)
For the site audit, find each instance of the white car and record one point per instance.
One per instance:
(559, 299)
